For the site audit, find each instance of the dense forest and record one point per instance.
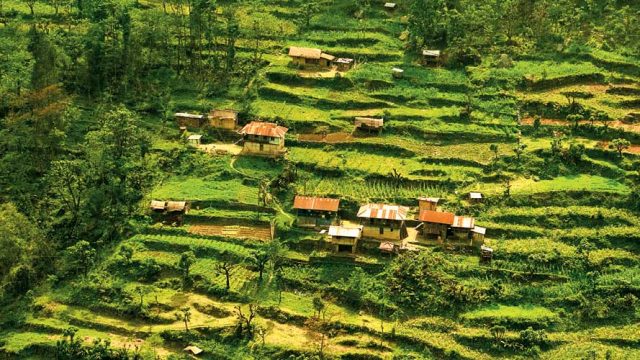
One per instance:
(534, 103)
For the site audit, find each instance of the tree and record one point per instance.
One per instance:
(187, 259)
(185, 316)
(620, 145)
(319, 307)
(574, 119)
(224, 266)
(245, 327)
(31, 4)
(537, 121)
(80, 257)
(259, 259)
(498, 332)
(396, 178)
(507, 186)
(307, 10)
(519, 148)
(495, 149)
(264, 330)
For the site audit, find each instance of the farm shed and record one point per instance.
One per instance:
(397, 72)
(194, 350)
(430, 57)
(194, 140)
(169, 211)
(435, 224)
(383, 221)
(390, 6)
(315, 211)
(477, 235)
(189, 120)
(344, 238)
(158, 206)
(343, 64)
(366, 123)
(223, 119)
(486, 253)
(310, 57)
(475, 197)
(263, 138)
(428, 203)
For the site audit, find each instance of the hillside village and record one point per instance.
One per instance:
(319, 180)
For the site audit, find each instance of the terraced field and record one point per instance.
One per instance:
(565, 230)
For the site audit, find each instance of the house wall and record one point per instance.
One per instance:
(303, 62)
(336, 241)
(434, 230)
(227, 123)
(260, 148)
(189, 122)
(390, 229)
(427, 205)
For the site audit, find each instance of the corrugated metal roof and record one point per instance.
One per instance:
(429, 199)
(327, 56)
(303, 52)
(463, 222)
(475, 195)
(223, 114)
(434, 53)
(350, 232)
(158, 205)
(479, 230)
(344, 61)
(371, 122)
(383, 211)
(194, 137)
(176, 206)
(436, 217)
(390, 5)
(187, 115)
(315, 203)
(264, 129)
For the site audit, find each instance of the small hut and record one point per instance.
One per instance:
(397, 73)
(343, 64)
(315, 211)
(369, 124)
(193, 350)
(477, 235)
(428, 203)
(158, 206)
(310, 57)
(390, 6)
(223, 119)
(435, 224)
(344, 239)
(430, 57)
(486, 253)
(475, 197)
(189, 120)
(263, 138)
(194, 140)
(175, 211)
(383, 221)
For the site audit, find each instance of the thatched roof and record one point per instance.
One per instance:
(303, 52)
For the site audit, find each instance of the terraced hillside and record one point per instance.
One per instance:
(561, 210)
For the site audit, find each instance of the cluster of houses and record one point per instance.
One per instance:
(388, 225)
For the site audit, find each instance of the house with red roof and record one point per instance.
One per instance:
(315, 211)
(263, 138)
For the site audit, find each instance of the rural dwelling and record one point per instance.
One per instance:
(397, 73)
(223, 119)
(461, 229)
(344, 239)
(169, 211)
(343, 64)
(475, 197)
(263, 138)
(158, 206)
(365, 123)
(194, 140)
(428, 203)
(193, 350)
(486, 253)
(477, 235)
(435, 224)
(189, 120)
(309, 57)
(431, 57)
(383, 221)
(315, 211)
(390, 6)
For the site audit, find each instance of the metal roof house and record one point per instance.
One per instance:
(383, 221)
(431, 57)
(263, 138)
(343, 238)
(315, 211)
(189, 120)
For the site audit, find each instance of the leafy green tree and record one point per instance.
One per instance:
(498, 331)
(495, 149)
(318, 306)
(224, 267)
(80, 257)
(185, 316)
(620, 145)
(307, 10)
(187, 259)
(259, 259)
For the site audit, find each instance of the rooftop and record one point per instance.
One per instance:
(463, 222)
(315, 203)
(223, 114)
(436, 217)
(383, 211)
(429, 199)
(434, 53)
(264, 129)
(303, 52)
(371, 122)
(188, 115)
(340, 231)
(475, 195)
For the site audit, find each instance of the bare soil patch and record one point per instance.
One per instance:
(258, 232)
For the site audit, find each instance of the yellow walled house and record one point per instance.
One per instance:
(223, 119)
(263, 138)
(309, 57)
(383, 221)
(344, 239)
